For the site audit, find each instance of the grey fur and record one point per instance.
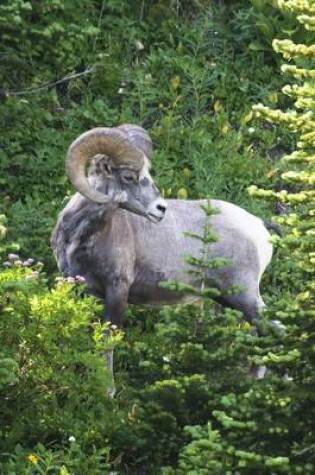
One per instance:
(124, 255)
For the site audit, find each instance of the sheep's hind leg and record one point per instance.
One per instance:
(257, 371)
(251, 309)
(253, 314)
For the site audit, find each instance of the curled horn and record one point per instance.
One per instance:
(139, 137)
(114, 143)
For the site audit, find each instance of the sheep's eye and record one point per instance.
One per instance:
(129, 177)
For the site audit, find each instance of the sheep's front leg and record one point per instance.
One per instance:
(116, 302)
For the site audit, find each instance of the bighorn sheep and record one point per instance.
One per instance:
(126, 240)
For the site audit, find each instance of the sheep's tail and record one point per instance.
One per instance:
(274, 227)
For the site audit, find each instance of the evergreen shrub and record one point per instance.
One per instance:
(268, 427)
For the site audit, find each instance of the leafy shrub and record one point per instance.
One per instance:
(69, 459)
(54, 382)
(189, 72)
(27, 29)
(275, 22)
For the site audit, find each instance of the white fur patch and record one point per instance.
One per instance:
(145, 171)
(253, 228)
(264, 246)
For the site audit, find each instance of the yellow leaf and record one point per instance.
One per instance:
(248, 117)
(271, 173)
(273, 97)
(182, 194)
(303, 296)
(217, 106)
(175, 81)
(166, 192)
(225, 128)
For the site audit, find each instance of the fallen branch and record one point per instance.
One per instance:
(34, 90)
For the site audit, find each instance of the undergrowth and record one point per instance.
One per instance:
(189, 72)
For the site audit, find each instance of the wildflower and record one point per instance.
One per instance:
(33, 276)
(71, 439)
(33, 459)
(13, 257)
(251, 130)
(28, 262)
(139, 45)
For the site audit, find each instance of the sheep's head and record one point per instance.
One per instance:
(120, 173)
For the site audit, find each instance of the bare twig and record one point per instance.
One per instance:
(34, 90)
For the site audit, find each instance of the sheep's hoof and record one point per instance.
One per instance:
(111, 392)
(258, 371)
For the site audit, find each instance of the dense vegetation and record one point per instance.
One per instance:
(191, 73)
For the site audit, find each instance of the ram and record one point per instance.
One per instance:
(125, 239)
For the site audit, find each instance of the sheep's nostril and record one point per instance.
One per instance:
(161, 208)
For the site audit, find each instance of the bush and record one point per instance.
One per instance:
(54, 382)
(189, 72)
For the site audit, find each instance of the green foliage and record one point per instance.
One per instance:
(27, 28)
(175, 79)
(54, 382)
(70, 459)
(8, 369)
(190, 73)
(192, 106)
(275, 22)
(268, 428)
(173, 368)
(3, 229)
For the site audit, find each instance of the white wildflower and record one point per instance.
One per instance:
(139, 45)
(13, 257)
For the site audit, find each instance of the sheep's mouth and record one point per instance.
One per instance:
(153, 218)
(141, 211)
